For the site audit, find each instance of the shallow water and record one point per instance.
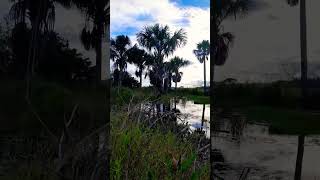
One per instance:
(192, 113)
(269, 156)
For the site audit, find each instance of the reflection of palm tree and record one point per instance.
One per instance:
(161, 43)
(119, 54)
(202, 53)
(140, 58)
(298, 169)
(202, 119)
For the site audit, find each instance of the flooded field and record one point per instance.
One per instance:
(247, 146)
(197, 115)
(266, 155)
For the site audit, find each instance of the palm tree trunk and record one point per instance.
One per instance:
(99, 53)
(297, 174)
(29, 63)
(140, 78)
(204, 77)
(32, 52)
(170, 80)
(176, 86)
(303, 46)
(120, 78)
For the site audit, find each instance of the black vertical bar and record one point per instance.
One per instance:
(213, 35)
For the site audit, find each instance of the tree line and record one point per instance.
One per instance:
(34, 49)
(156, 43)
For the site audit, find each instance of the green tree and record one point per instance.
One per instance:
(141, 59)
(160, 43)
(176, 63)
(119, 54)
(202, 53)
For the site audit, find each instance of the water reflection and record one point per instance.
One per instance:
(299, 161)
(268, 156)
(196, 115)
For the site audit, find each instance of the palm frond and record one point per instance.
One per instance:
(51, 15)
(17, 11)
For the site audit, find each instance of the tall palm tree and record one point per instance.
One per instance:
(176, 63)
(140, 58)
(303, 44)
(304, 76)
(119, 53)
(41, 16)
(97, 22)
(161, 43)
(202, 53)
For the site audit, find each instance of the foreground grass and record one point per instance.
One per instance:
(284, 120)
(143, 153)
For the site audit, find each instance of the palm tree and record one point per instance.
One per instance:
(202, 53)
(119, 53)
(176, 63)
(41, 15)
(97, 22)
(303, 44)
(160, 43)
(304, 75)
(140, 58)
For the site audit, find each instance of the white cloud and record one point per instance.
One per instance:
(194, 20)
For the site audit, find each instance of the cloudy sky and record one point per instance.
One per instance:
(128, 17)
(266, 43)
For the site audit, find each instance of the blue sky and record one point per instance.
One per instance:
(199, 3)
(128, 17)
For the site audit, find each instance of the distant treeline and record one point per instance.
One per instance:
(279, 93)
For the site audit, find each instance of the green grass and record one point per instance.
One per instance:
(123, 95)
(143, 153)
(284, 121)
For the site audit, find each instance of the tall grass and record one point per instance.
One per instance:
(143, 153)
